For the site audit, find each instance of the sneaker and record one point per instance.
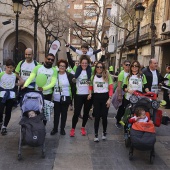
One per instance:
(118, 125)
(96, 139)
(3, 131)
(72, 132)
(1, 125)
(90, 117)
(53, 132)
(62, 132)
(83, 131)
(104, 136)
(71, 108)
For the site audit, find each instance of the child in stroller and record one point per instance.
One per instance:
(32, 129)
(140, 133)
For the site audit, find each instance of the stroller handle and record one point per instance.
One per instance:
(150, 95)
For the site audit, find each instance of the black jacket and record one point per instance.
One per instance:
(149, 77)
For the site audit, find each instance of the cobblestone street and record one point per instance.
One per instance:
(80, 152)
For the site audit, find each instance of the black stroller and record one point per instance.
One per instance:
(32, 129)
(139, 139)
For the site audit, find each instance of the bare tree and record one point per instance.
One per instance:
(37, 5)
(91, 29)
(153, 29)
(128, 31)
(53, 21)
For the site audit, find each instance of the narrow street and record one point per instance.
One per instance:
(80, 152)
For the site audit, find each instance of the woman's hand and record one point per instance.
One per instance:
(89, 97)
(108, 103)
(40, 88)
(130, 91)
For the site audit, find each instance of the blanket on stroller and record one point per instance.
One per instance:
(142, 140)
(33, 130)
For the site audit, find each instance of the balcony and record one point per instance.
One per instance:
(145, 35)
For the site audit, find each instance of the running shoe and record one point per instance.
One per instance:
(72, 132)
(118, 125)
(96, 139)
(104, 136)
(83, 131)
(3, 131)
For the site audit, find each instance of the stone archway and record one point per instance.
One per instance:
(25, 40)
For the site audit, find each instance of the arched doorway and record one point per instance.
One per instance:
(21, 50)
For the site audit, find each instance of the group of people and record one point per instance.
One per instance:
(87, 85)
(134, 77)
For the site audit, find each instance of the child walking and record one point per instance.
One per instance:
(7, 93)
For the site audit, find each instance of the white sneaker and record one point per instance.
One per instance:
(104, 136)
(96, 139)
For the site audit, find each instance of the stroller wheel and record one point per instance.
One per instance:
(130, 156)
(19, 157)
(43, 155)
(152, 157)
(127, 142)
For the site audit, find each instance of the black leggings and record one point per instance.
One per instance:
(80, 101)
(121, 110)
(60, 109)
(8, 108)
(100, 110)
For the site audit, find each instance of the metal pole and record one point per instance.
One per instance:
(16, 40)
(137, 38)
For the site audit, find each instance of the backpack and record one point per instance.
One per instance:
(33, 130)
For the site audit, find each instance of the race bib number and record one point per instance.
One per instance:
(83, 82)
(100, 84)
(154, 89)
(57, 90)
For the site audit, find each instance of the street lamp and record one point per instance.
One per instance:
(17, 8)
(139, 12)
(105, 41)
(48, 38)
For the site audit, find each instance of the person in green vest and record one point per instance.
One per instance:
(111, 70)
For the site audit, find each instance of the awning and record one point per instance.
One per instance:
(162, 42)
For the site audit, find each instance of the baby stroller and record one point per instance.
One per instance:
(32, 129)
(141, 140)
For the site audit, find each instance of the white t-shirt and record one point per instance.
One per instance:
(135, 83)
(48, 72)
(154, 87)
(7, 81)
(99, 85)
(26, 69)
(64, 87)
(81, 83)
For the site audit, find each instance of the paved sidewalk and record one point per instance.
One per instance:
(80, 152)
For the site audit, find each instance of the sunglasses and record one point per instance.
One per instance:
(99, 67)
(62, 66)
(127, 64)
(50, 59)
(135, 66)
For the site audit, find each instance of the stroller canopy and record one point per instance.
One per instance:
(32, 101)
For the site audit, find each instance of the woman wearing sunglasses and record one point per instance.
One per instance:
(62, 96)
(134, 81)
(102, 86)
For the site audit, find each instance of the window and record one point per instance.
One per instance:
(77, 6)
(108, 12)
(77, 16)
